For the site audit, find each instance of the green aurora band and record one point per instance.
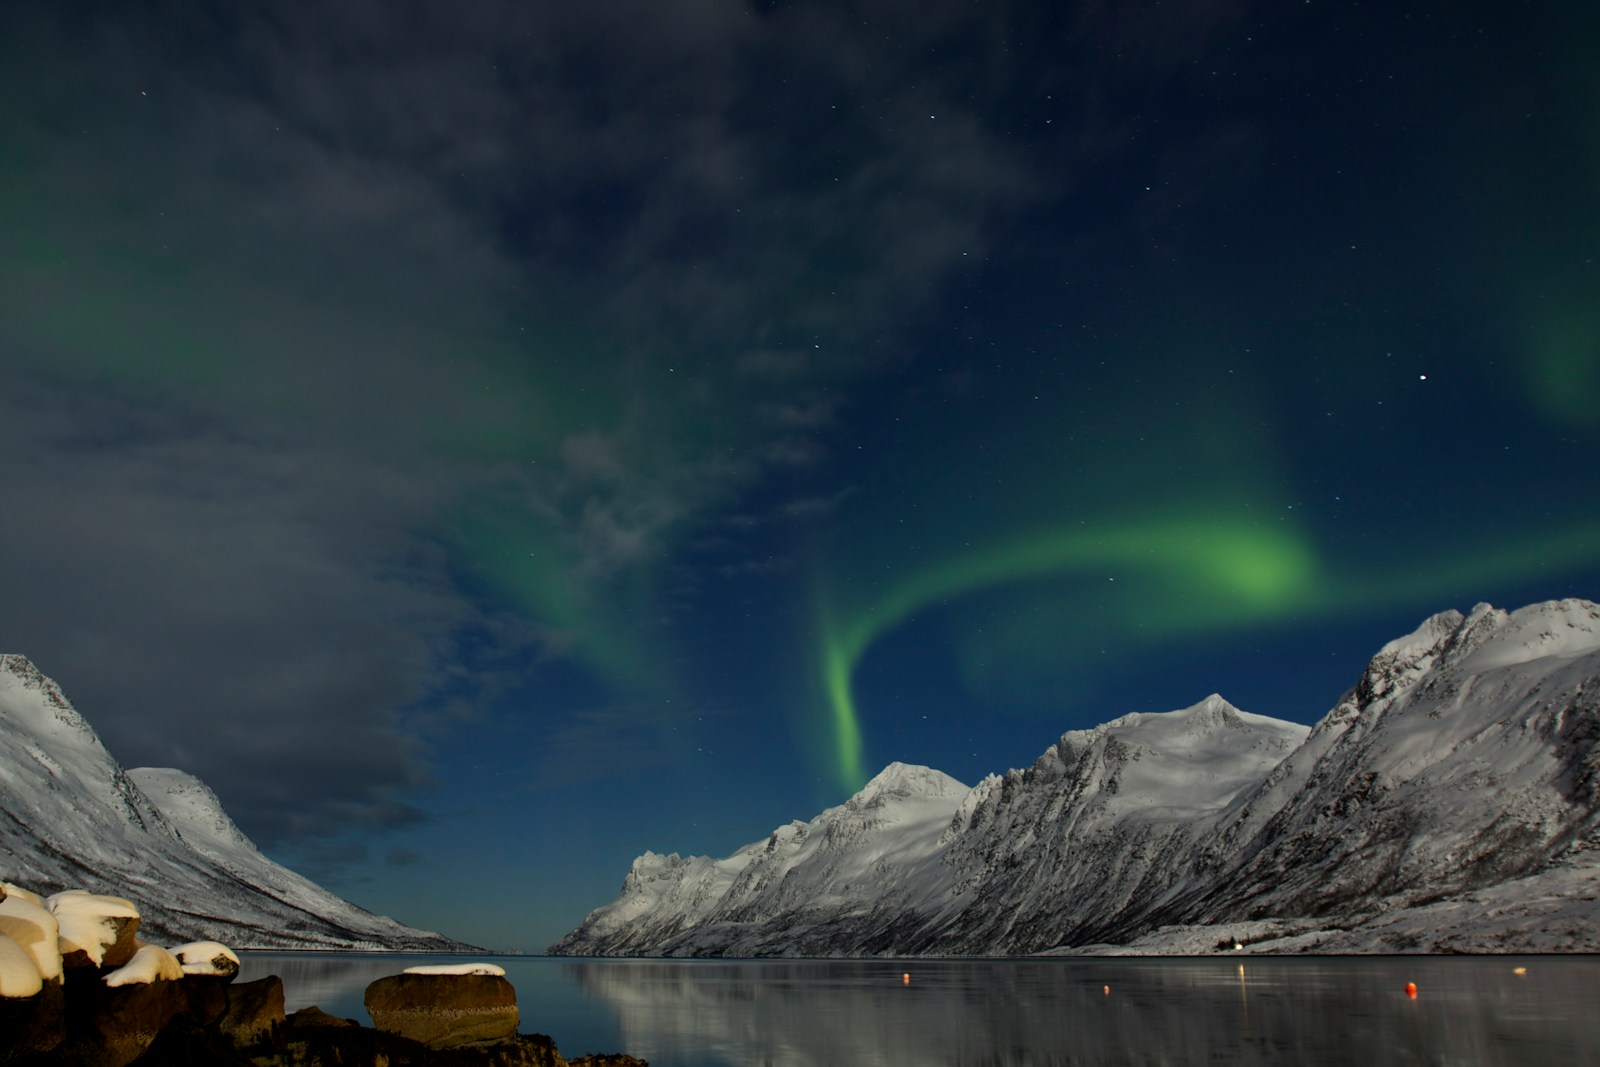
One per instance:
(1213, 572)
(1242, 572)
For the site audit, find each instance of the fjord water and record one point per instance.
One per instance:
(1024, 1013)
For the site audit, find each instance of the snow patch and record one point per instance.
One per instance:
(206, 957)
(489, 969)
(18, 891)
(151, 963)
(18, 975)
(90, 922)
(25, 920)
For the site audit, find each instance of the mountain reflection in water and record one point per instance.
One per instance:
(1240, 1010)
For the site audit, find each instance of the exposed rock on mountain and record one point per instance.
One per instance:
(70, 816)
(1462, 766)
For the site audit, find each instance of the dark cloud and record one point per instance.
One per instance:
(245, 607)
(300, 290)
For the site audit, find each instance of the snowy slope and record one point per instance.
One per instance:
(1090, 840)
(1463, 758)
(1450, 800)
(823, 886)
(916, 862)
(71, 817)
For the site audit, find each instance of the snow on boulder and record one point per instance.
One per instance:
(491, 969)
(150, 964)
(17, 891)
(95, 929)
(207, 958)
(28, 924)
(19, 977)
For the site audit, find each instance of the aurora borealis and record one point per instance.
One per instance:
(511, 440)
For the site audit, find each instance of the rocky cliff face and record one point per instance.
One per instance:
(1462, 762)
(71, 816)
(1463, 758)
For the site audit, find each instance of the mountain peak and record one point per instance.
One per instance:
(1435, 629)
(1213, 710)
(77, 819)
(1487, 637)
(905, 781)
(21, 668)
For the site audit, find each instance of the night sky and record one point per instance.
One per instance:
(487, 443)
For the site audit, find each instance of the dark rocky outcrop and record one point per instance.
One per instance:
(32, 1025)
(112, 1027)
(143, 1006)
(202, 1021)
(254, 1009)
(444, 1010)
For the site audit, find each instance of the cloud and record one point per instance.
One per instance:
(293, 295)
(243, 606)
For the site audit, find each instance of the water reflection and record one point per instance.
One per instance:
(1025, 1013)
(1060, 1012)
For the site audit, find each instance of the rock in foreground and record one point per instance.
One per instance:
(144, 1005)
(444, 1010)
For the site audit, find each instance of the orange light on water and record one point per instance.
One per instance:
(1411, 990)
(905, 979)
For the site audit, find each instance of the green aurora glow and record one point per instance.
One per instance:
(1198, 573)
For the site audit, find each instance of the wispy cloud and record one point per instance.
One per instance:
(294, 294)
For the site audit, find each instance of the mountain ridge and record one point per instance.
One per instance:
(1461, 765)
(71, 817)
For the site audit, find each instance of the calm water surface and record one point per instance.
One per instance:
(1022, 1013)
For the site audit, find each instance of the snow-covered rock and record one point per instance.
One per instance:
(493, 970)
(207, 958)
(19, 975)
(151, 963)
(157, 837)
(444, 1010)
(95, 926)
(30, 925)
(1450, 799)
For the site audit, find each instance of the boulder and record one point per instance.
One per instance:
(444, 1010)
(29, 924)
(33, 1024)
(313, 1017)
(207, 999)
(9, 890)
(255, 1009)
(96, 930)
(151, 963)
(111, 1026)
(207, 958)
(19, 974)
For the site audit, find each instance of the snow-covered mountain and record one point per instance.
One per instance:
(845, 874)
(1451, 799)
(71, 817)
